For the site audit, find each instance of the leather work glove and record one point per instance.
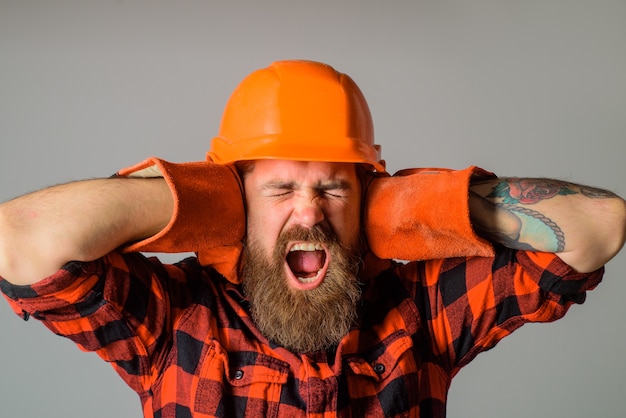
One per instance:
(209, 216)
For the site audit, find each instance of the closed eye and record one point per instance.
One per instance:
(280, 193)
(278, 189)
(335, 193)
(338, 189)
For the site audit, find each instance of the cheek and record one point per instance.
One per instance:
(263, 229)
(347, 223)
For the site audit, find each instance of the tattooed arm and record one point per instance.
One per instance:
(583, 225)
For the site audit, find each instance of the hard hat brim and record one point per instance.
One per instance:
(346, 150)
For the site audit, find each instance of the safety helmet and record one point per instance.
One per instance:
(297, 110)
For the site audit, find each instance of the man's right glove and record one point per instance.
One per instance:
(209, 216)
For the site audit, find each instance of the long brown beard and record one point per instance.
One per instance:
(303, 321)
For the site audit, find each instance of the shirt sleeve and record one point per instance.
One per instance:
(119, 306)
(470, 304)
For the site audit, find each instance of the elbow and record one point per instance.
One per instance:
(619, 237)
(610, 232)
(8, 259)
(24, 260)
(616, 228)
(604, 239)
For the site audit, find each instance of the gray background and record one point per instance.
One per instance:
(535, 88)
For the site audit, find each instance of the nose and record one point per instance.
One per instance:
(307, 210)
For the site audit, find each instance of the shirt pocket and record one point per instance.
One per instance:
(384, 383)
(239, 384)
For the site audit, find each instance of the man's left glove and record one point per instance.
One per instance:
(423, 214)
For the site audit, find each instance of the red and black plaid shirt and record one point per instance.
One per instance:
(181, 335)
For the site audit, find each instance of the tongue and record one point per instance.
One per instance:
(305, 263)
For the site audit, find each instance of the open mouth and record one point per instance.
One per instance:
(307, 263)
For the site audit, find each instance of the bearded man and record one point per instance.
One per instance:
(294, 304)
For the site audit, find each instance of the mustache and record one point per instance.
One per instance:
(317, 233)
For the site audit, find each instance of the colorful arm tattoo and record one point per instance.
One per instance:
(532, 230)
(529, 191)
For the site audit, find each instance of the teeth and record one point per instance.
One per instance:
(309, 279)
(307, 246)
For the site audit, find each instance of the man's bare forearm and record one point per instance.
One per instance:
(83, 221)
(585, 226)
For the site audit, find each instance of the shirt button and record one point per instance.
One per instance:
(238, 375)
(379, 368)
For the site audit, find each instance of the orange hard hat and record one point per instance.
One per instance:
(297, 110)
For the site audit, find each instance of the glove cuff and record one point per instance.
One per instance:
(209, 215)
